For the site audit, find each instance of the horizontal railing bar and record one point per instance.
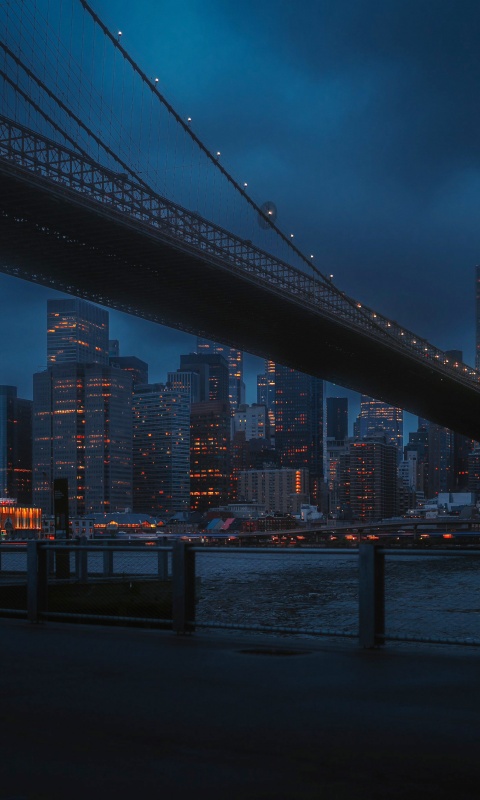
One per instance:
(394, 637)
(103, 617)
(276, 629)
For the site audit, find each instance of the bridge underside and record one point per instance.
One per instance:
(63, 240)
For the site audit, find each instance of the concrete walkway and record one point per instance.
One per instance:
(100, 712)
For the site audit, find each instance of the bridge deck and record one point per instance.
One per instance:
(103, 712)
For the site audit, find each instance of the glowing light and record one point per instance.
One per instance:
(311, 256)
(189, 119)
(156, 80)
(218, 153)
(245, 184)
(119, 33)
(291, 236)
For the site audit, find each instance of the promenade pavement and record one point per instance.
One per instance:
(108, 712)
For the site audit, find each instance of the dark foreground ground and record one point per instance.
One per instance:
(98, 712)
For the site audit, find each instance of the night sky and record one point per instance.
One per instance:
(360, 121)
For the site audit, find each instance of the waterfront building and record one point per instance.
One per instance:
(161, 450)
(19, 521)
(15, 446)
(281, 491)
(82, 431)
(77, 332)
(234, 359)
(299, 424)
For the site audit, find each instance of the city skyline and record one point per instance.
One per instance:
(361, 133)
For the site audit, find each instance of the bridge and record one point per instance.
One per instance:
(93, 206)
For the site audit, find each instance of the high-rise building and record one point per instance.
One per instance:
(376, 416)
(266, 393)
(252, 420)
(15, 446)
(77, 332)
(212, 369)
(161, 450)
(137, 368)
(234, 359)
(369, 478)
(186, 382)
(210, 463)
(299, 424)
(82, 431)
(337, 418)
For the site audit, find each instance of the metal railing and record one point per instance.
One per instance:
(164, 586)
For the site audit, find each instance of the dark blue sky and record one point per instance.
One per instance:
(359, 120)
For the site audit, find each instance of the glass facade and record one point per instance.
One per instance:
(82, 431)
(209, 455)
(299, 424)
(234, 359)
(161, 450)
(77, 331)
(377, 416)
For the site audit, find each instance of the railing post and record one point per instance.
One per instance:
(183, 587)
(108, 561)
(37, 580)
(162, 563)
(81, 560)
(371, 595)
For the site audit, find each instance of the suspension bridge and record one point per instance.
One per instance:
(107, 193)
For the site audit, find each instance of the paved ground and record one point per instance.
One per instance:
(97, 712)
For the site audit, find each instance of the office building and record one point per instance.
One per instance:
(186, 382)
(210, 463)
(337, 418)
(77, 332)
(234, 359)
(281, 491)
(376, 416)
(213, 376)
(299, 424)
(82, 431)
(252, 420)
(137, 368)
(15, 446)
(369, 479)
(161, 450)
(266, 393)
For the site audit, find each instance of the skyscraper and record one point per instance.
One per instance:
(234, 359)
(15, 446)
(212, 369)
(210, 464)
(299, 424)
(82, 431)
(82, 414)
(369, 478)
(161, 450)
(337, 418)
(77, 332)
(377, 416)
